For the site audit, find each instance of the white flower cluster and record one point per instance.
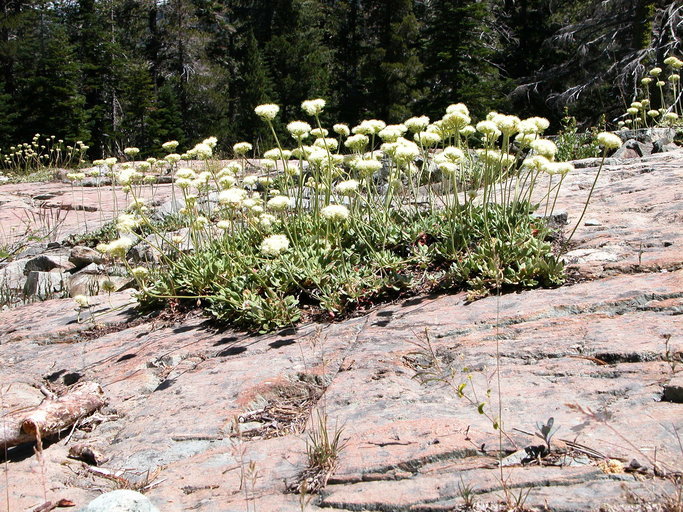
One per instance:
(274, 245)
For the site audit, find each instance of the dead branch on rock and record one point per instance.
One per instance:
(51, 416)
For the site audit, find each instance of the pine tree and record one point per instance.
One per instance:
(459, 47)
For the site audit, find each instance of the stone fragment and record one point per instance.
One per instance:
(95, 284)
(45, 285)
(82, 256)
(121, 500)
(48, 263)
(592, 222)
(12, 276)
(673, 391)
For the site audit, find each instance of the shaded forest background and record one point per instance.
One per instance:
(117, 73)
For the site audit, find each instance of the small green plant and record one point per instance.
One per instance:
(467, 492)
(322, 450)
(546, 431)
(574, 145)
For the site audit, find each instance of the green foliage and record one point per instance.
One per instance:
(574, 145)
(378, 258)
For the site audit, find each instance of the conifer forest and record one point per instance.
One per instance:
(118, 73)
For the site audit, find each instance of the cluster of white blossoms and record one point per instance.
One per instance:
(242, 148)
(117, 248)
(313, 107)
(609, 140)
(335, 213)
(274, 245)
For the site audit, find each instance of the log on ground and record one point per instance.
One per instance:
(51, 416)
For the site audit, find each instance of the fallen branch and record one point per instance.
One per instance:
(51, 416)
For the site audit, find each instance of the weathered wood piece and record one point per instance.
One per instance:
(51, 416)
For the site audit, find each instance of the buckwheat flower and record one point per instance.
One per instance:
(266, 220)
(225, 182)
(366, 168)
(185, 173)
(202, 178)
(299, 129)
(427, 139)
(110, 161)
(628, 122)
(653, 113)
(347, 188)
(177, 239)
(406, 151)
(274, 245)
(242, 148)
(525, 139)
(128, 176)
(81, 301)
(278, 203)
(317, 156)
(3, 179)
(357, 142)
(450, 154)
(127, 223)
(535, 162)
(673, 62)
(335, 213)
(329, 143)
(632, 111)
(250, 181)
(369, 127)
(292, 170)
(143, 167)
(200, 222)
(202, 151)
(118, 248)
(609, 140)
(656, 71)
(564, 167)
(232, 197)
(75, 176)
(313, 107)
(671, 116)
(458, 107)
(448, 168)
(267, 112)
(506, 124)
(319, 132)
(645, 103)
(211, 142)
(542, 123)
(646, 81)
(341, 129)
(140, 273)
(391, 133)
(487, 127)
(131, 151)
(468, 131)
(674, 78)
(417, 124)
(224, 225)
(172, 158)
(544, 147)
(170, 146)
(637, 104)
(456, 120)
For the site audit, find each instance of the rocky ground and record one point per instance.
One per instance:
(202, 419)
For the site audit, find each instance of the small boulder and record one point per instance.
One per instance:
(121, 500)
(673, 391)
(82, 256)
(45, 285)
(49, 263)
